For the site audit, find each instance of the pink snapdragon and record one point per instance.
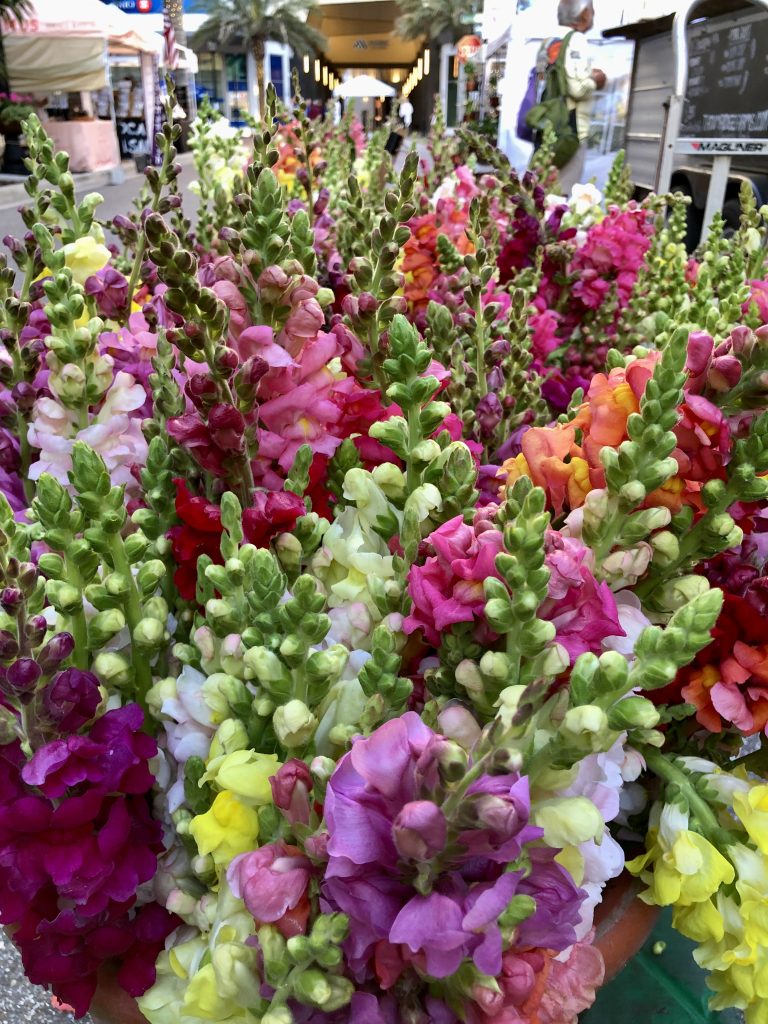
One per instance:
(448, 588)
(113, 432)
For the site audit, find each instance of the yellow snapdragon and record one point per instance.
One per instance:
(244, 773)
(679, 866)
(85, 257)
(229, 828)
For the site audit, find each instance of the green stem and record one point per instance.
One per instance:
(665, 769)
(142, 243)
(27, 282)
(482, 377)
(77, 623)
(134, 614)
(413, 478)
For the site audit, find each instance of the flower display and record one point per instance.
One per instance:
(383, 576)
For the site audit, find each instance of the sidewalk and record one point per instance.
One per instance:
(117, 198)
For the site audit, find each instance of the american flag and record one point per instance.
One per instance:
(169, 36)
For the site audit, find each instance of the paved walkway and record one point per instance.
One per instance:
(117, 198)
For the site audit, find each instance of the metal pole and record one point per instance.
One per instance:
(677, 99)
(718, 183)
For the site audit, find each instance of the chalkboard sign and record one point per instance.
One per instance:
(726, 104)
(132, 133)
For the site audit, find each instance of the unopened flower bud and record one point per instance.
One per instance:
(322, 768)
(115, 670)
(452, 759)
(291, 786)
(520, 908)
(468, 676)
(22, 675)
(420, 830)
(230, 736)
(666, 548)
(634, 713)
(56, 651)
(294, 724)
(9, 645)
(11, 599)
(35, 629)
(587, 722)
(181, 903)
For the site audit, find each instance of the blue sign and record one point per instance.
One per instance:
(138, 6)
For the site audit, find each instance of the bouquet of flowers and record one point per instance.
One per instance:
(311, 710)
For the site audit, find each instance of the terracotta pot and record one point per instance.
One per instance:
(112, 1004)
(622, 925)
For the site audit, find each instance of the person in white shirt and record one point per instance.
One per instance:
(406, 112)
(577, 17)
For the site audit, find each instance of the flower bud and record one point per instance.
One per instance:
(56, 651)
(104, 626)
(520, 908)
(468, 676)
(181, 903)
(9, 645)
(114, 670)
(71, 699)
(35, 629)
(289, 551)
(291, 788)
(588, 723)
(666, 548)
(459, 724)
(230, 736)
(312, 988)
(11, 599)
(452, 759)
(494, 665)
(22, 675)
(294, 724)
(634, 713)
(149, 634)
(420, 830)
(8, 725)
(322, 768)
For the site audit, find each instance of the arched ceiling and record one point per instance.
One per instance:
(361, 34)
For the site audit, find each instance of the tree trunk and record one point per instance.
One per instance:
(259, 52)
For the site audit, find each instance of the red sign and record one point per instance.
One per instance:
(467, 47)
(144, 6)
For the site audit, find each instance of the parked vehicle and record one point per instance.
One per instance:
(651, 86)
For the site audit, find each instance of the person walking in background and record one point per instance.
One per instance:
(406, 113)
(575, 18)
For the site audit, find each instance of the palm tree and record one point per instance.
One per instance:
(11, 13)
(429, 19)
(252, 23)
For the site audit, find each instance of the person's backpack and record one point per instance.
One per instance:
(524, 130)
(552, 109)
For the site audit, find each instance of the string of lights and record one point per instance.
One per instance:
(420, 69)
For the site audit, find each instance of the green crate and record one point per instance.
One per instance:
(664, 988)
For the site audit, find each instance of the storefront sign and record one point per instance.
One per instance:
(467, 47)
(132, 135)
(138, 6)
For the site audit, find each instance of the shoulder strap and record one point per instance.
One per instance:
(560, 62)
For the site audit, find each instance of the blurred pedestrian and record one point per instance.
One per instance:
(575, 18)
(406, 113)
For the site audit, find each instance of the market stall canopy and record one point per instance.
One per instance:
(363, 86)
(61, 46)
(361, 33)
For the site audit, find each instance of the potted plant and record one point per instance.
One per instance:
(14, 109)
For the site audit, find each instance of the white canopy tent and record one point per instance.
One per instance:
(61, 46)
(362, 87)
(64, 47)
